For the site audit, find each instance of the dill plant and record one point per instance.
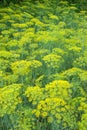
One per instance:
(43, 71)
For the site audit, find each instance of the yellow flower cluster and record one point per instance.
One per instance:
(83, 123)
(58, 88)
(37, 22)
(34, 94)
(54, 17)
(6, 54)
(52, 60)
(9, 99)
(50, 108)
(83, 105)
(22, 67)
(45, 49)
(35, 64)
(16, 25)
(49, 101)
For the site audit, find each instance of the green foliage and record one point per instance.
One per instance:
(6, 2)
(81, 4)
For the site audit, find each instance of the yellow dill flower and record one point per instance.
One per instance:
(62, 24)
(21, 67)
(58, 51)
(52, 60)
(83, 123)
(6, 54)
(44, 114)
(6, 32)
(37, 113)
(35, 64)
(50, 119)
(53, 112)
(73, 8)
(63, 2)
(39, 107)
(34, 111)
(58, 116)
(6, 17)
(34, 102)
(63, 109)
(54, 17)
(44, 108)
(9, 98)
(42, 102)
(34, 94)
(17, 34)
(58, 88)
(21, 25)
(75, 49)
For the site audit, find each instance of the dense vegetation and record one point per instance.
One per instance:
(81, 4)
(43, 66)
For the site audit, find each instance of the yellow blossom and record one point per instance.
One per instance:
(50, 119)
